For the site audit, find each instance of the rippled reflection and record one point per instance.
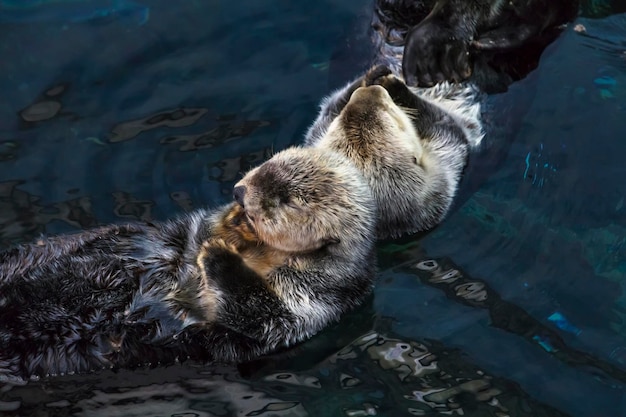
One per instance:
(47, 107)
(24, 217)
(180, 117)
(218, 135)
(373, 375)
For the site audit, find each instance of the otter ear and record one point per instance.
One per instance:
(331, 241)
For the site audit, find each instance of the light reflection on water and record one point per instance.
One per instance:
(373, 375)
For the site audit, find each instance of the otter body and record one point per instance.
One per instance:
(211, 285)
(412, 143)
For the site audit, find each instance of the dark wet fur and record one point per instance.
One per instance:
(495, 42)
(103, 299)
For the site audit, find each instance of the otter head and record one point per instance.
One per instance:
(373, 125)
(381, 140)
(305, 198)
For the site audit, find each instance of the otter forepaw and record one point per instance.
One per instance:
(219, 259)
(376, 73)
(396, 88)
(389, 82)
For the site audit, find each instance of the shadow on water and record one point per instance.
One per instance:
(514, 306)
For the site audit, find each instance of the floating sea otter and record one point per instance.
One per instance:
(225, 285)
(412, 144)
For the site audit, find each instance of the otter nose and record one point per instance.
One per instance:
(238, 193)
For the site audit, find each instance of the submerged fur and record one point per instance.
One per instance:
(206, 286)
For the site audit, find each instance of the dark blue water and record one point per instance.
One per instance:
(125, 110)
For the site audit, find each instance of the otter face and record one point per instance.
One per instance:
(304, 198)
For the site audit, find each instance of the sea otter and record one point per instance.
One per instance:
(413, 143)
(223, 285)
(411, 147)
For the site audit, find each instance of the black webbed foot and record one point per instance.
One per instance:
(434, 52)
